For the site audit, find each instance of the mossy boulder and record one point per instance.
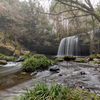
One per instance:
(81, 60)
(6, 50)
(91, 57)
(7, 58)
(68, 58)
(3, 62)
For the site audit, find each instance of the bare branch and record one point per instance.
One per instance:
(75, 17)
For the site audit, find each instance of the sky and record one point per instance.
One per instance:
(46, 3)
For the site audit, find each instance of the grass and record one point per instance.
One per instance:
(54, 91)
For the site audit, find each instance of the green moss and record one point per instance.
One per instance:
(97, 62)
(94, 56)
(8, 58)
(81, 60)
(3, 62)
(58, 60)
(70, 57)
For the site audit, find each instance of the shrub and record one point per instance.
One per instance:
(54, 91)
(81, 60)
(26, 56)
(37, 56)
(32, 64)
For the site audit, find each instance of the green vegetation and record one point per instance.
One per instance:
(3, 62)
(81, 60)
(38, 56)
(56, 92)
(26, 56)
(97, 62)
(58, 60)
(65, 57)
(8, 58)
(92, 56)
(38, 61)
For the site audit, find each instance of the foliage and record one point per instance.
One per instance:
(32, 64)
(24, 25)
(26, 56)
(8, 58)
(56, 92)
(97, 62)
(81, 60)
(38, 56)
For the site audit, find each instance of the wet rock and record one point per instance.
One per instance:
(33, 73)
(60, 74)
(54, 68)
(23, 72)
(95, 59)
(3, 62)
(6, 50)
(82, 87)
(83, 73)
(20, 59)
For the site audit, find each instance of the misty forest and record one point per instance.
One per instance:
(49, 49)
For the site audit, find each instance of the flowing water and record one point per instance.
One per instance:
(79, 45)
(71, 74)
(9, 68)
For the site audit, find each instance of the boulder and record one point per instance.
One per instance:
(95, 59)
(20, 59)
(6, 50)
(3, 62)
(54, 68)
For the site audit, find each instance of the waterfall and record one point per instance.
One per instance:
(78, 45)
(68, 46)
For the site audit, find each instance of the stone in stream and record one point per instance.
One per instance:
(54, 68)
(33, 73)
(3, 62)
(83, 73)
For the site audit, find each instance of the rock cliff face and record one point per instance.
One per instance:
(6, 50)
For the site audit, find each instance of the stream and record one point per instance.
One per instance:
(84, 76)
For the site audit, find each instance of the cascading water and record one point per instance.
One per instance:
(78, 45)
(68, 46)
